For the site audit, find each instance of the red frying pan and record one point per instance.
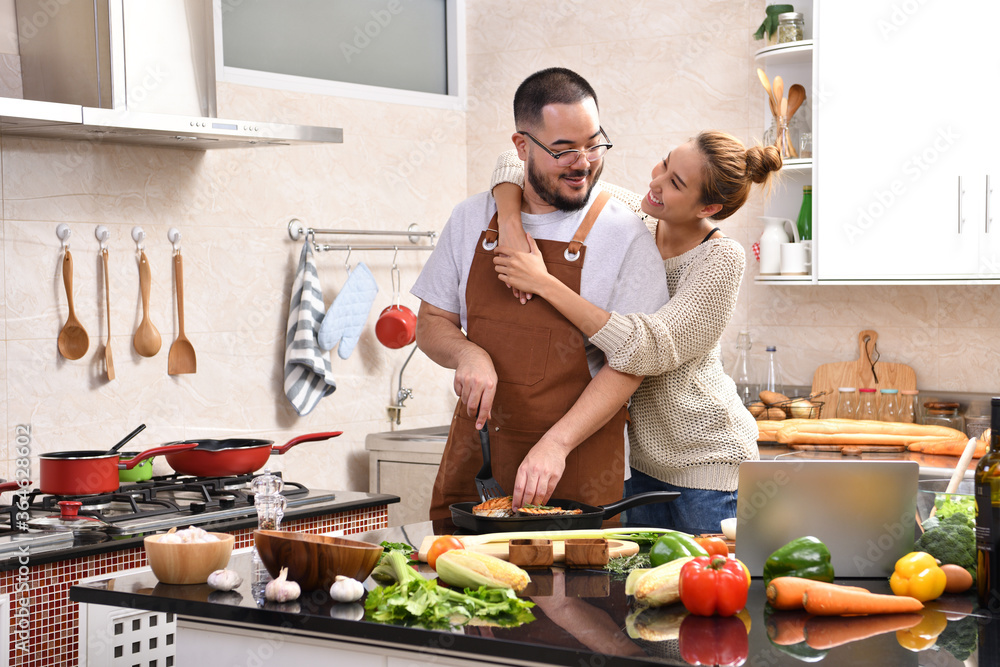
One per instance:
(233, 456)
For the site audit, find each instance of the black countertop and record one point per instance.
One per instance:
(582, 617)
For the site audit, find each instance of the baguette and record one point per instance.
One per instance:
(869, 426)
(863, 432)
(952, 447)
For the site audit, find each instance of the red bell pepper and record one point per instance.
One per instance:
(713, 585)
(717, 640)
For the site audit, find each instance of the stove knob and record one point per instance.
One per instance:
(225, 502)
(196, 507)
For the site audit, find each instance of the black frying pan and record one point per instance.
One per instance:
(591, 516)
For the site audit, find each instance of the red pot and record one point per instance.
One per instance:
(396, 327)
(88, 472)
(233, 456)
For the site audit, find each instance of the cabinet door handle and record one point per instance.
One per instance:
(960, 193)
(988, 193)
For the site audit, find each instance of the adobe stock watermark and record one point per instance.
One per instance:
(363, 35)
(21, 599)
(899, 16)
(913, 169)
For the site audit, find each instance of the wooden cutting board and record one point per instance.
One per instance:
(616, 548)
(860, 374)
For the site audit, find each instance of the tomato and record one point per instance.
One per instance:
(713, 545)
(713, 585)
(441, 545)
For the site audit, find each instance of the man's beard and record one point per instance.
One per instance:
(551, 195)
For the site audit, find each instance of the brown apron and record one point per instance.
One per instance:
(541, 366)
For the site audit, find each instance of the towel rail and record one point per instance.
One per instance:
(296, 230)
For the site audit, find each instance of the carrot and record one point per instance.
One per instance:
(786, 628)
(826, 632)
(836, 600)
(786, 592)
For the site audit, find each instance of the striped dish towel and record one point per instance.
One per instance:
(308, 377)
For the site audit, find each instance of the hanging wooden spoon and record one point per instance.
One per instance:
(767, 86)
(73, 340)
(147, 339)
(181, 358)
(108, 359)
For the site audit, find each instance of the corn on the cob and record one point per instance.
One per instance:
(661, 585)
(471, 569)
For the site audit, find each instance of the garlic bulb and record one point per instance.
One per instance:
(224, 580)
(345, 589)
(280, 589)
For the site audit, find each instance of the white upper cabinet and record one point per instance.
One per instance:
(905, 127)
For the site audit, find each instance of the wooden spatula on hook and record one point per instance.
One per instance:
(181, 358)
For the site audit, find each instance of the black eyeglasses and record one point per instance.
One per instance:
(569, 158)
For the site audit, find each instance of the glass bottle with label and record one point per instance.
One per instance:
(847, 403)
(888, 407)
(988, 516)
(868, 404)
(741, 372)
(909, 406)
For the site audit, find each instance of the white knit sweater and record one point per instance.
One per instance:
(688, 427)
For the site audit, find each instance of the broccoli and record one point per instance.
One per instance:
(953, 540)
(960, 637)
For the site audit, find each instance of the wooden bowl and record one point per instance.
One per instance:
(313, 561)
(189, 563)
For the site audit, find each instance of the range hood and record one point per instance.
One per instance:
(130, 71)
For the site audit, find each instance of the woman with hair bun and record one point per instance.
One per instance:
(689, 430)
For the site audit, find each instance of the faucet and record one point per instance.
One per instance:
(402, 393)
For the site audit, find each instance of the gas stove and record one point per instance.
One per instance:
(139, 508)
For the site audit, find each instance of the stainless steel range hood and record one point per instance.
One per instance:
(129, 71)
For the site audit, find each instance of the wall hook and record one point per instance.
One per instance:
(174, 237)
(139, 237)
(63, 232)
(102, 235)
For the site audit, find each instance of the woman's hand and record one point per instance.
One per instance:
(524, 271)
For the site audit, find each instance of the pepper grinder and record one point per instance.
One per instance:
(270, 506)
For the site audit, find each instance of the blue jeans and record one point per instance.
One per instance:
(695, 511)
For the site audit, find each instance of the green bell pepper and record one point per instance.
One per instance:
(805, 557)
(671, 546)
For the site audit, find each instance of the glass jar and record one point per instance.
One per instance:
(791, 27)
(909, 406)
(888, 407)
(806, 145)
(944, 414)
(847, 403)
(977, 418)
(867, 404)
(791, 130)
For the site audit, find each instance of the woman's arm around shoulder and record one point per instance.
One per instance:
(688, 326)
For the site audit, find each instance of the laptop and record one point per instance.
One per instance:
(864, 511)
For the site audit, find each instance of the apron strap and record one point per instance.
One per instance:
(573, 251)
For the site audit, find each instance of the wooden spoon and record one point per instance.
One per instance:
(73, 340)
(147, 339)
(779, 89)
(181, 358)
(108, 359)
(767, 86)
(796, 96)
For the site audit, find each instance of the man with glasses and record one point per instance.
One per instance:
(531, 387)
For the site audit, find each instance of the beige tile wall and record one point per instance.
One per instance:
(662, 70)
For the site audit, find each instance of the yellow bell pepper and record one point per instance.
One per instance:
(918, 575)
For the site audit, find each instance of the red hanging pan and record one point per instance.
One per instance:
(233, 456)
(87, 472)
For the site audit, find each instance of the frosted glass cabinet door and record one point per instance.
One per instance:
(902, 118)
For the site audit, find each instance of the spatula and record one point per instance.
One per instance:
(487, 486)
(108, 357)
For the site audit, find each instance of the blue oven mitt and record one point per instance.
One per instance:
(346, 318)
